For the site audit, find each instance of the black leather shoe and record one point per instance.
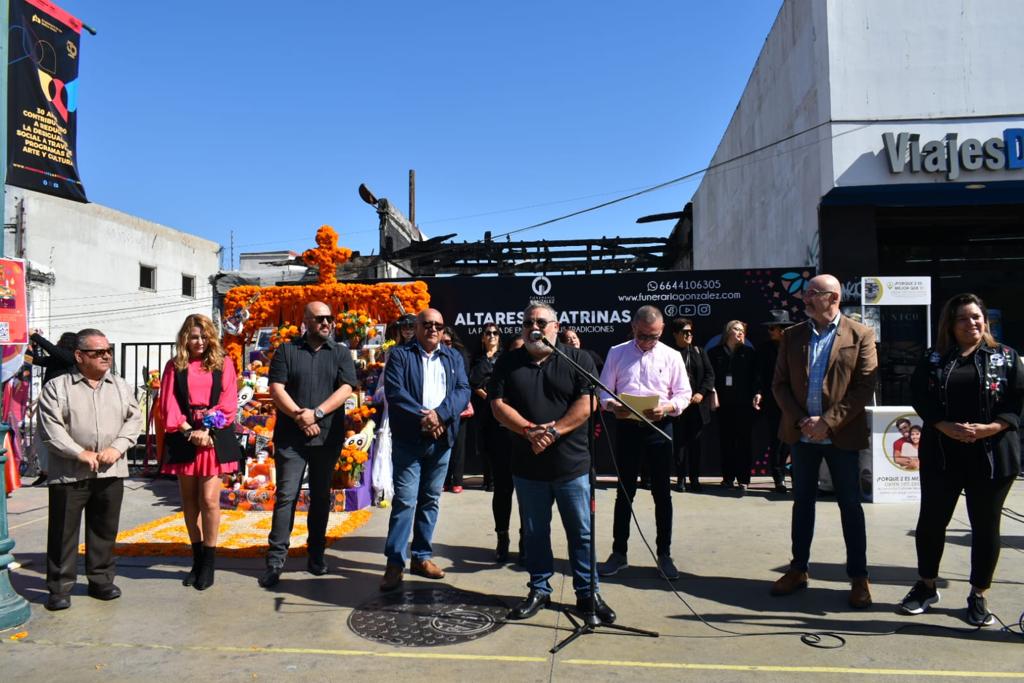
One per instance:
(270, 577)
(530, 606)
(317, 566)
(605, 613)
(679, 487)
(106, 592)
(57, 602)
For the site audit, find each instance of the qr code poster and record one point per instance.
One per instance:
(13, 302)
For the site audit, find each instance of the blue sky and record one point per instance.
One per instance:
(263, 118)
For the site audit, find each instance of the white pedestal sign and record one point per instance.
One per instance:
(895, 435)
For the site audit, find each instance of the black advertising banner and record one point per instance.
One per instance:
(600, 307)
(42, 99)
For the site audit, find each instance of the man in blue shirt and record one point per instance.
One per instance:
(824, 376)
(426, 387)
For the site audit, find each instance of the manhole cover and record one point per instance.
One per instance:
(427, 617)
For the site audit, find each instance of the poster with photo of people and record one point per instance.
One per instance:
(895, 441)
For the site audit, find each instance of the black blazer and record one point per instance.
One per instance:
(702, 379)
(1000, 396)
(742, 366)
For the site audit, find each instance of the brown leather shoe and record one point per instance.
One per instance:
(789, 583)
(860, 593)
(427, 569)
(392, 577)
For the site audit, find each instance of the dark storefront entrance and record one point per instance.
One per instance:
(967, 240)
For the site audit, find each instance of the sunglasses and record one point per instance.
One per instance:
(816, 292)
(686, 333)
(492, 333)
(98, 353)
(322, 319)
(431, 325)
(539, 322)
(647, 337)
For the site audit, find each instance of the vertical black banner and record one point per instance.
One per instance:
(42, 99)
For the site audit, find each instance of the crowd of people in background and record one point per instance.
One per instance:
(508, 400)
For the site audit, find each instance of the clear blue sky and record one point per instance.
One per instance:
(264, 117)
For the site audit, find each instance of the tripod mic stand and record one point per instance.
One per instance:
(590, 622)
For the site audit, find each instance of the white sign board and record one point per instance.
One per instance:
(895, 438)
(880, 290)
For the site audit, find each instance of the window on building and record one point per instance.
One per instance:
(147, 277)
(188, 286)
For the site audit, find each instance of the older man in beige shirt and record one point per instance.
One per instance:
(90, 418)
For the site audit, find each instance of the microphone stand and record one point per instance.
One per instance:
(590, 622)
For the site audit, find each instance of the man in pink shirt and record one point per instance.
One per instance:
(644, 366)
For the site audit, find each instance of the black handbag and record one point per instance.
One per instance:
(178, 449)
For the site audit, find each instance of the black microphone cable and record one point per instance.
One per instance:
(823, 640)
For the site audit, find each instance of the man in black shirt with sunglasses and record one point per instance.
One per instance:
(310, 378)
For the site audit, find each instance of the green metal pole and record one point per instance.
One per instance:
(5, 33)
(14, 609)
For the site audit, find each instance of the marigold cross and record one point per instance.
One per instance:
(327, 256)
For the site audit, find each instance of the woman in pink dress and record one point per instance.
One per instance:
(198, 389)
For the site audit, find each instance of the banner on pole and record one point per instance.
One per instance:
(13, 302)
(42, 99)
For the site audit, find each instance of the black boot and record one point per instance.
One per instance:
(197, 561)
(501, 552)
(205, 577)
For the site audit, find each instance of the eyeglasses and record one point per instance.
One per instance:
(492, 333)
(539, 322)
(98, 353)
(816, 292)
(431, 325)
(322, 319)
(647, 337)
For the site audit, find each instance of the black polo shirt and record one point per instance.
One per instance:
(543, 393)
(310, 377)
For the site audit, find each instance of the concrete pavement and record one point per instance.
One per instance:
(728, 549)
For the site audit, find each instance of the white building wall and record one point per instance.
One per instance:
(870, 66)
(755, 211)
(95, 253)
(930, 67)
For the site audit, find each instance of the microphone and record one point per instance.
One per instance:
(536, 335)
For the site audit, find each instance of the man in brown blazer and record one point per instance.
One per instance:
(824, 376)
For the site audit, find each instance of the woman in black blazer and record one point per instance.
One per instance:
(735, 385)
(689, 425)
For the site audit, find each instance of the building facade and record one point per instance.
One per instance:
(878, 138)
(92, 266)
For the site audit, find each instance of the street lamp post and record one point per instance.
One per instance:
(14, 609)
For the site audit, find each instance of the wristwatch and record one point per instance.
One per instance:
(553, 432)
(318, 414)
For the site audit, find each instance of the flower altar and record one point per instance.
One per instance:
(358, 308)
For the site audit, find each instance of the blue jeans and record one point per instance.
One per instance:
(845, 469)
(573, 499)
(419, 469)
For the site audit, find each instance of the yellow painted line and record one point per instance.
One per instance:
(440, 656)
(798, 669)
(31, 521)
(256, 649)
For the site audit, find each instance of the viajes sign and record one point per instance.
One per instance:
(906, 153)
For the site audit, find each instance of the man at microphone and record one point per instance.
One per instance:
(644, 367)
(543, 400)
